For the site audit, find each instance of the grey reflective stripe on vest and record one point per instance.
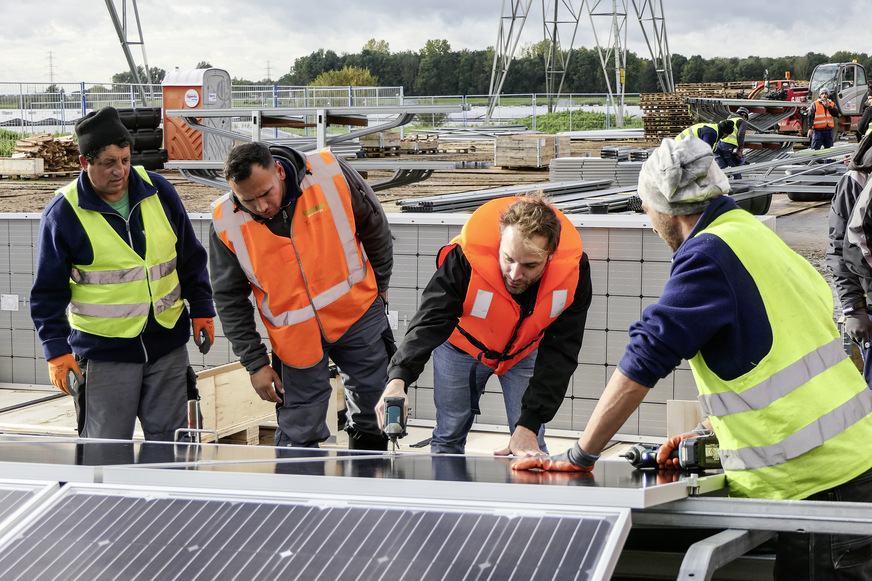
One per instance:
(776, 386)
(356, 272)
(110, 311)
(231, 223)
(97, 277)
(159, 271)
(808, 438)
(169, 300)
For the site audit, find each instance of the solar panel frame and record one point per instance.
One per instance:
(111, 532)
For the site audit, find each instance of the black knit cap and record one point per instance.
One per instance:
(100, 128)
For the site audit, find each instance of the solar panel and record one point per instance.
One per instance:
(133, 534)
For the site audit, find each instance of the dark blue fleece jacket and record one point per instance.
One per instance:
(63, 242)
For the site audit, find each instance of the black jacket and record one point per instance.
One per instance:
(441, 307)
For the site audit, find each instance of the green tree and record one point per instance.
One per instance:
(157, 75)
(694, 70)
(377, 46)
(436, 72)
(203, 65)
(347, 76)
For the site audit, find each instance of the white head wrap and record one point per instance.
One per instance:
(681, 177)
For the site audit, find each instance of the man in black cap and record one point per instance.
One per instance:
(116, 260)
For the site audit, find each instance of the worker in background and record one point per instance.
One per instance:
(864, 127)
(822, 113)
(755, 320)
(117, 258)
(711, 133)
(509, 297)
(308, 237)
(728, 151)
(848, 256)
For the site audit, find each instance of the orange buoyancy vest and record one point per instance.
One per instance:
(489, 328)
(318, 282)
(822, 117)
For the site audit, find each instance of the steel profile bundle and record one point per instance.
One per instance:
(468, 201)
(714, 110)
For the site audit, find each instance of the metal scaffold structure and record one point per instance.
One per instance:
(129, 38)
(609, 26)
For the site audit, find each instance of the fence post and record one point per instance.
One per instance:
(82, 95)
(534, 112)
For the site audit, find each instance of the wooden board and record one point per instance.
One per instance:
(529, 149)
(229, 404)
(22, 166)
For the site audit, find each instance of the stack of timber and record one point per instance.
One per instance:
(420, 143)
(56, 154)
(381, 144)
(664, 115)
(529, 150)
(724, 90)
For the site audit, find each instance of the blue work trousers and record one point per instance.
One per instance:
(821, 138)
(459, 380)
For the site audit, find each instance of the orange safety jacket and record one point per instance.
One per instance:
(489, 328)
(822, 117)
(315, 284)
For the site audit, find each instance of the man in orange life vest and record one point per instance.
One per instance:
(510, 297)
(308, 237)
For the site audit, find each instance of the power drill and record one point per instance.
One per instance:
(395, 419)
(695, 453)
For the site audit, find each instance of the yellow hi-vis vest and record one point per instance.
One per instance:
(693, 131)
(797, 423)
(112, 296)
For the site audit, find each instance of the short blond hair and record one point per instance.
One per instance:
(533, 215)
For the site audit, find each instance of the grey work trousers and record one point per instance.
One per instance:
(362, 359)
(115, 394)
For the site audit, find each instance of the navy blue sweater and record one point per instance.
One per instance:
(63, 242)
(710, 304)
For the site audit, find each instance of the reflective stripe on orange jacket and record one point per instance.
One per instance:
(316, 283)
(822, 117)
(490, 314)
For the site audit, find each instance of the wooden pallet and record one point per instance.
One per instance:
(371, 152)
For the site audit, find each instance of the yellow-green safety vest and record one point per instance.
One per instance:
(693, 130)
(797, 423)
(112, 296)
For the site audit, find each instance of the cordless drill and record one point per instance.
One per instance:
(395, 419)
(696, 453)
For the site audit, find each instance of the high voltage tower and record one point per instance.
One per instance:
(128, 38)
(608, 22)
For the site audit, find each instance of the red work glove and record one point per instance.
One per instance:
(573, 460)
(204, 333)
(666, 450)
(60, 367)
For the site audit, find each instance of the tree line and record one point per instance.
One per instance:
(438, 70)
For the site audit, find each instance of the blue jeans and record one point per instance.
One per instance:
(452, 395)
(825, 557)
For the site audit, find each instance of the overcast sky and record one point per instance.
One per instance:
(63, 41)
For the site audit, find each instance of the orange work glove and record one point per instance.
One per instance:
(59, 369)
(666, 450)
(573, 460)
(204, 333)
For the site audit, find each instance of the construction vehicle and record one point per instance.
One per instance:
(848, 87)
(785, 89)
